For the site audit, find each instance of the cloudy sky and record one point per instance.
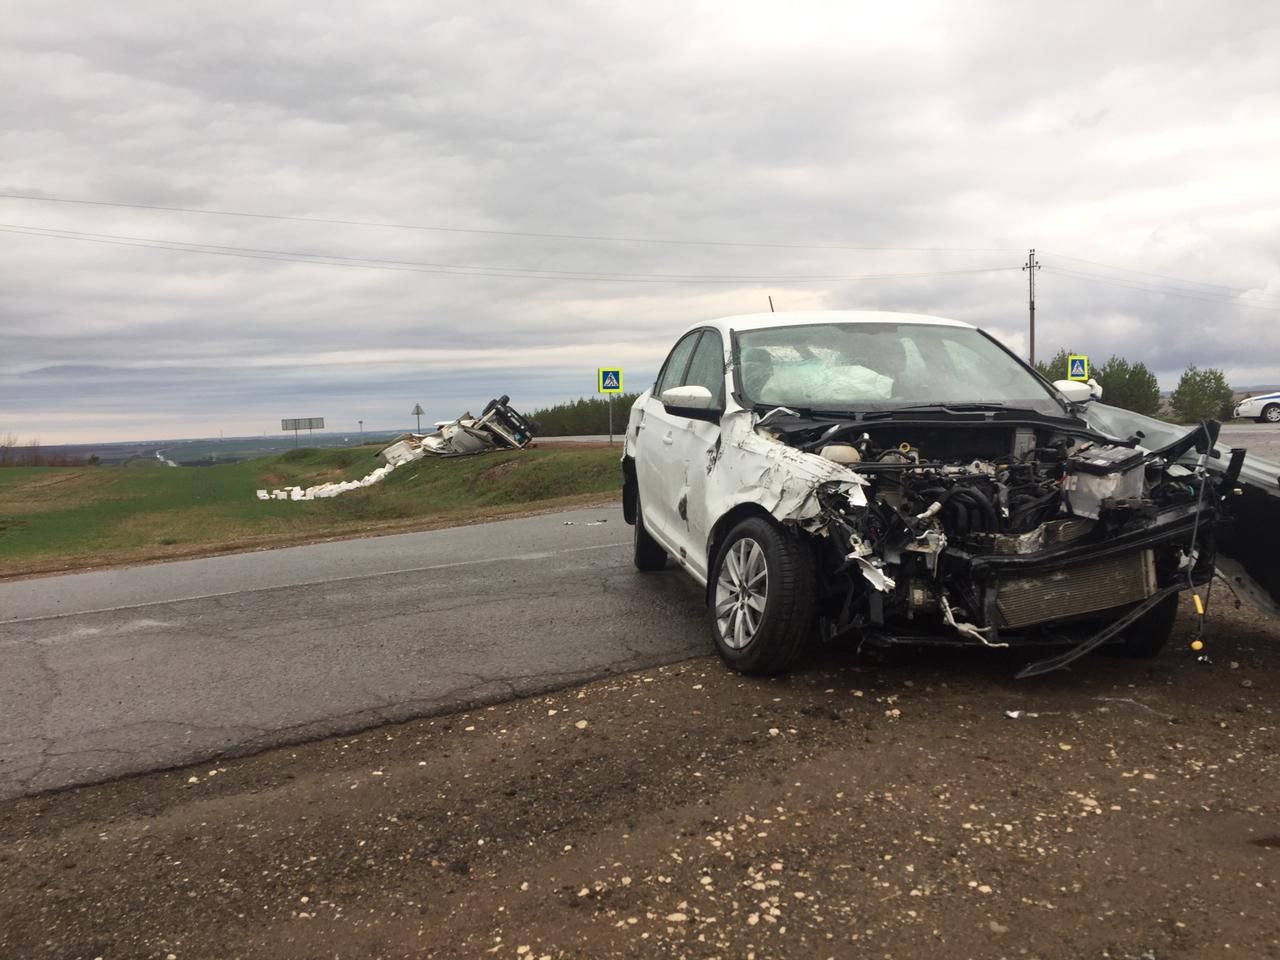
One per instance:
(573, 183)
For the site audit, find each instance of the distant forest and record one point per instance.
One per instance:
(586, 416)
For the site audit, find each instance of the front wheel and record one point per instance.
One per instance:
(762, 598)
(1270, 413)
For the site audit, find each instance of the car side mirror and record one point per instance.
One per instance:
(692, 401)
(1078, 392)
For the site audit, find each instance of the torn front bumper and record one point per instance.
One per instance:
(1080, 580)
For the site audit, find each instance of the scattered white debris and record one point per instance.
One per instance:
(324, 491)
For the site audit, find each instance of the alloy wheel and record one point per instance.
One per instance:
(742, 589)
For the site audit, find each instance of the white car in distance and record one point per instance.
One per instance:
(1265, 408)
(895, 478)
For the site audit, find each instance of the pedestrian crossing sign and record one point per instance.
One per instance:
(609, 380)
(1077, 367)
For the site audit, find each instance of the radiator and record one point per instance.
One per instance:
(1070, 592)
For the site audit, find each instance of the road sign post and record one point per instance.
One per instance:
(609, 382)
(417, 412)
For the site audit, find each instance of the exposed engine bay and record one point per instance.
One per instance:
(994, 531)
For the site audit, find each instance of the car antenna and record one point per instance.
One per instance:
(771, 304)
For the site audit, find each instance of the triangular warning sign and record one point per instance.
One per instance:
(611, 381)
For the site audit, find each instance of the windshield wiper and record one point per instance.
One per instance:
(959, 407)
(944, 405)
(939, 407)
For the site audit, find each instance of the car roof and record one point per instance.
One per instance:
(795, 318)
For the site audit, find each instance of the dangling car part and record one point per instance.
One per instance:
(896, 478)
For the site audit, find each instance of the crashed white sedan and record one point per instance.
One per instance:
(897, 478)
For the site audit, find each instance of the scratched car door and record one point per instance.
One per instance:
(656, 468)
(693, 442)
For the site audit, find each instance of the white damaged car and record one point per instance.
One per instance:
(895, 478)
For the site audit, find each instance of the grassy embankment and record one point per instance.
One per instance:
(64, 518)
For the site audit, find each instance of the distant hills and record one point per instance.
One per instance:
(200, 452)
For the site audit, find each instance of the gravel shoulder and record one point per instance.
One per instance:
(859, 808)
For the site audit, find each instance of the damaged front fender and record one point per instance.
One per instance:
(751, 466)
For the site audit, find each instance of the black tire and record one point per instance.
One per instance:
(1147, 637)
(786, 622)
(647, 553)
(1270, 413)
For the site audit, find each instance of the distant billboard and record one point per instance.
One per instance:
(305, 423)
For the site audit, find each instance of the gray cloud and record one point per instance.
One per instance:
(1136, 135)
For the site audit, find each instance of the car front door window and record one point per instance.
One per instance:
(706, 369)
(677, 363)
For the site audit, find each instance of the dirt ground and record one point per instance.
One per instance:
(864, 807)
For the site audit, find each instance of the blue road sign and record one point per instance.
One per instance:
(1077, 367)
(610, 380)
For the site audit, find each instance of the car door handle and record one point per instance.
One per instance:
(668, 439)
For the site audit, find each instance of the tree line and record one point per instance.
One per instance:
(30, 454)
(586, 416)
(1199, 395)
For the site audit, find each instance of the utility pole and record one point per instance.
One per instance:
(1031, 266)
(361, 422)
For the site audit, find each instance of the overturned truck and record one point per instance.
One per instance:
(901, 479)
(499, 427)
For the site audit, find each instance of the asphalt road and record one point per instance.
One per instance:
(1260, 439)
(121, 671)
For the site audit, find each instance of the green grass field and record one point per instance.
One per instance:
(57, 518)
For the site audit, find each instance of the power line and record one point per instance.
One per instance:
(1203, 296)
(1206, 295)
(492, 233)
(1146, 273)
(1118, 281)
(464, 270)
